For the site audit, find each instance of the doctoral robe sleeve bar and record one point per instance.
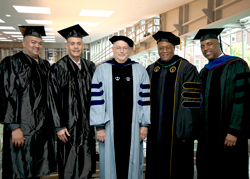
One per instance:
(241, 96)
(188, 101)
(191, 93)
(97, 109)
(144, 100)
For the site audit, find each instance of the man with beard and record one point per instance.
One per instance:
(28, 142)
(69, 99)
(175, 103)
(120, 112)
(222, 145)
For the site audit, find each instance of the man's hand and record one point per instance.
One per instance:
(17, 137)
(230, 141)
(62, 135)
(143, 133)
(100, 135)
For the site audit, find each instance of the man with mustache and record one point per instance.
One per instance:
(28, 142)
(223, 142)
(120, 111)
(175, 103)
(69, 101)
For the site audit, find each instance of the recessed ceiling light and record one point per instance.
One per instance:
(7, 28)
(96, 13)
(1, 21)
(16, 36)
(88, 23)
(10, 32)
(38, 21)
(2, 38)
(8, 15)
(50, 33)
(32, 9)
(49, 29)
(6, 40)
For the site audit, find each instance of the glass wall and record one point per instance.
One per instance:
(235, 42)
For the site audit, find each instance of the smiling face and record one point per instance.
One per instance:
(166, 51)
(74, 46)
(32, 46)
(121, 51)
(211, 49)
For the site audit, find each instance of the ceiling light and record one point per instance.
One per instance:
(50, 33)
(49, 29)
(38, 21)
(7, 28)
(20, 38)
(88, 23)
(2, 38)
(48, 40)
(10, 32)
(32, 9)
(8, 15)
(1, 21)
(16, 36)
(96, 13)
(6, 40)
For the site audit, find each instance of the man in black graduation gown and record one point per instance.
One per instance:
(28, 142)
(175, 103)
(69, 100)
(222, 145)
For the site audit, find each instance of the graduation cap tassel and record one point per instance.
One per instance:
(180, 45)
(134, 47)
(221, 45)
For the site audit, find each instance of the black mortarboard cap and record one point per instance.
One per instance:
(204, 34)
(73, 31)
(123, 38)
(37, 31)
(162, 36)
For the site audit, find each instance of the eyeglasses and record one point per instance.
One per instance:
(122, 48)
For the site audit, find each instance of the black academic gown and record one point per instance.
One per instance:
(24, 103)
(225, 109)
(69, 99)
(175, 103)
